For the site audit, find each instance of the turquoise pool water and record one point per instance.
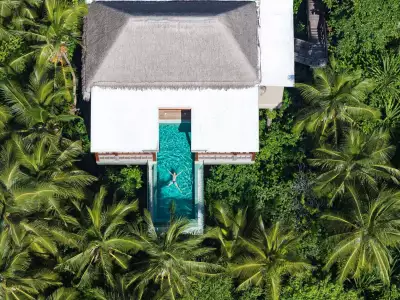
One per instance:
(174, 156)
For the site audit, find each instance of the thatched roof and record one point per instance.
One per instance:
(171, 45)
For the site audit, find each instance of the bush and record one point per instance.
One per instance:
(362, 28)
(76, 130)
(279, 157)
(313, 289)
(212, 288)
(9, 47)
(296, 5)
(125, 179)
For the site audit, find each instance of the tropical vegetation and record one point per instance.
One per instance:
(315, 217)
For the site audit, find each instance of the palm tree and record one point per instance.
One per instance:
(36, 187)
(362, 159)
(17, 278)
(41, 174)
(63, 294)
(272, 255)
(386, 74)
(118, 292)
(104, 242)
(391, 114)
(231, 226)
(27, 207)
(172, 260)
(55, 36)
(334, 101)
(5, 116)
(365, 235)
(14, 14)
(39, 105)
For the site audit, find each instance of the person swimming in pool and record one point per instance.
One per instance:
(173, 181)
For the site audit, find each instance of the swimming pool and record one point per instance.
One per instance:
(174, 156)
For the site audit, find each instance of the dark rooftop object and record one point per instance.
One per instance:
(198, 44)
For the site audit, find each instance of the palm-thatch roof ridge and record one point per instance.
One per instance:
(171, 45)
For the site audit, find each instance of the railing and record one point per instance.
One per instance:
(122, 158)
(210, 158)
(200, 198)
(314, 52)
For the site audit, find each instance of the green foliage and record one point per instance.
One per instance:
(39, 180)
(313, 288)
(9, 47)
(214, 288)
(172, 262)
(362, 159)
(99, 250)
(269, 255)
(102, 243)
(362, 28)
(392, 293)
(233, 184)
(296, 5)
(333, 102)
(19, 279)
(280, 154)
(363, 237)
(39, 103)
(126, 179)
(76, 130)
(62, 294)
(230, 227)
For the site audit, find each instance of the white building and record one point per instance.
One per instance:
(222, 60)
(211, 63)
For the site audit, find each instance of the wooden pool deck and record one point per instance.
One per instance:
(174, 114)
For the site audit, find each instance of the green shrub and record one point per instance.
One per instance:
(299, 289)
(279, 157)
(126, 179)
(362, 28)
(212, 288)
(76, 130)
(9, 47)
(296, 5)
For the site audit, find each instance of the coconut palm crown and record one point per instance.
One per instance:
(333, 102)
(362, 159)
(54, 39)
(271, 254)
(364, 236)
(18, 280)
(230, 228)
(104, 243)
(172, 260)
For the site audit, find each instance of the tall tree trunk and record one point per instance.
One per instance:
(73, 81)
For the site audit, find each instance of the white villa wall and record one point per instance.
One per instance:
(124, 120)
